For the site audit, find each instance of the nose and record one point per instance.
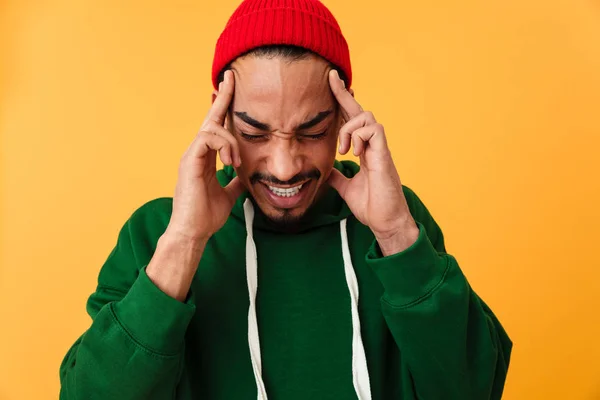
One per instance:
(284, 163)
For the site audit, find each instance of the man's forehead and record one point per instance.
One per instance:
(281, 92)
(260, 76)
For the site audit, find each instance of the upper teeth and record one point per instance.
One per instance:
(288, 192)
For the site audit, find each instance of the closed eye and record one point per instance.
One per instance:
(252, 138)
(314, 137)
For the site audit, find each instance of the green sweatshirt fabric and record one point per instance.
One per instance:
(426, 334)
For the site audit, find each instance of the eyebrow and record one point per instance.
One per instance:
(266, 127)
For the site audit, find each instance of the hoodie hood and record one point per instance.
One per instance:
(329, 209)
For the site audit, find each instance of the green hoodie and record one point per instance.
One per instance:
(426, 334)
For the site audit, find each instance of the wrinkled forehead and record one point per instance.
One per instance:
(281, 92)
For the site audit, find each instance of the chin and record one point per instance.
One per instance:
(286, 222)
(283, 219)
(284, 216)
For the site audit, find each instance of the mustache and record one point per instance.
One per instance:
(301, 177)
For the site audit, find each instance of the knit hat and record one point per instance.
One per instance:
(304, 23)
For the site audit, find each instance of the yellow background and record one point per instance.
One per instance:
(492, 109)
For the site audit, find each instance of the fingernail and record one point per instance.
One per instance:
(220, 85)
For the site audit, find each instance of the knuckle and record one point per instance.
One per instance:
(225, 134)
(210, 126)
(205, 138)
(223, 144)
(202, 133)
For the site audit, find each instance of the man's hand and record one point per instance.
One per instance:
(200, 205)
(374, 195)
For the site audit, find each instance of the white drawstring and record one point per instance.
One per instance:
(252, 277)
(360, 373)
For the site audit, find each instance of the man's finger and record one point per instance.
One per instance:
(346, 131)
(371, 135)
(207, 141)
(338, 181)
(349, 105)
(218, 111)
(234, 189)
(224, 133)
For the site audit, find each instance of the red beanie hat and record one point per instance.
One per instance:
(304, 23)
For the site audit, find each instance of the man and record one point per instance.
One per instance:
(287, 274)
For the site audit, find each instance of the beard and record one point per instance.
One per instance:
(286, 221)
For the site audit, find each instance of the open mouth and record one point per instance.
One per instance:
(285, 192)
(285, 197)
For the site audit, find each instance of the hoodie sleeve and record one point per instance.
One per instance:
(133, 348)
(453, 344)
